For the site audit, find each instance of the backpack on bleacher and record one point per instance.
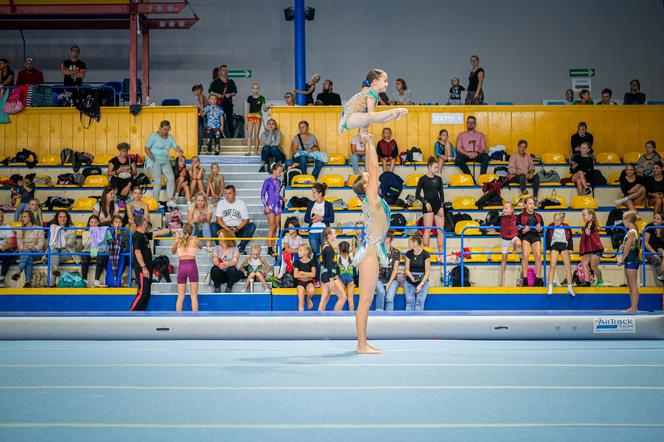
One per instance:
(291, 173)
(88, 171)
(66, 156)
(492, 219)
(397, 220)
(42, 180)
(391, 186)
(58, 202)
(68, 179)
(548, 176)
(461, 217)
(141, 180)
(597, 179)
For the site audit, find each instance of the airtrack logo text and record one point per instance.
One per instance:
(614, 325)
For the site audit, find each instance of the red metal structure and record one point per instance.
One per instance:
(133, 15)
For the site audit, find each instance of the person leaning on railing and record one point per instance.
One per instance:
(29, 241)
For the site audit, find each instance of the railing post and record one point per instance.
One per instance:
(48, 259)
(131, 260)
(463, 255)
(444, 256)
(544, 233)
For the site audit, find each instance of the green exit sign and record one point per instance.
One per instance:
(582, 72)
(239, 73)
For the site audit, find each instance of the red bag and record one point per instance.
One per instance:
(15, 101)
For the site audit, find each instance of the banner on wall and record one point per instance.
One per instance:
(581, 83)
(447, 118)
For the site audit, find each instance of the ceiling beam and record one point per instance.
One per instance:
(173, 7)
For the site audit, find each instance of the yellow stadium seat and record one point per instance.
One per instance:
(152, 203)
(412, 179)
(49, 160)
(96, 181)
(14, 224)
(632, 157)
(336, 159)
(477, 255)
(458, 228)
(460, 179)
(102, 160)
(3, 178)
(355, 203)
(614, 178)
(172, 154)
(562, 204)
(463, 203)
(486, 178)
(80, 224)
(640, 225)
(303, 180)
(84, 204)
(333, 180)
(608, 158)
(351, 179)
(434, 258)
(553, 158)
(584, 202)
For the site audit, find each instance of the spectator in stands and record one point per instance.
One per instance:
(581, 168)
(225, 88)
(444, 149)
(29, 75)
(471, 147)
(581, 136)
(357, 152)
(137, 207)
(655, 187)
(232, 214)
(225, 258)
(327, 97)
(387, 285)
(632, 186)
(26, 193)
(273, 201)
(653, 242)
(6, 74)
(430, 193)
(215, 184)
(61, 241)
(319, 215)
(271, 152)
(7, 248)
(634, 96)
(309, 89)
(73, 69)
(531, 241)
(140, 241)
(197, 173)
(28, 241)
(201, 104)
(585, 97)
(121, 171)
(253, 116)
(569, 96)
(522, 169)
(182, 178)
(454, 94)
(402, 95)
(650, 157)
(418, 269)
(606, 96)
(305, 274)
(305, 145)
(388, 151)
(157, 146)
(289, 98)
(105, 207)
(34, 207)
(214, 123)
(199, 215)
(475, 94)
(86, 260)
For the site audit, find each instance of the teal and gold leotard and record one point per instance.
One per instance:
(375, 239)
(357, 103)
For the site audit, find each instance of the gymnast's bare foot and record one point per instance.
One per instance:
(310, 303)
(399, 112)
(630, 310)
(366, 349)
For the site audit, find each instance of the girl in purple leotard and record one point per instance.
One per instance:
(273, 201)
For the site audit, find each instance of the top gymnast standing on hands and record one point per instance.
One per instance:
(372, 251)
(359, 112)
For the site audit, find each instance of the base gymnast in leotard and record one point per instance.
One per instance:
(359, 112)
(372, 251)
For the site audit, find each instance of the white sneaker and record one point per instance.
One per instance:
(550, 289)
(620, 201)
(171, 204)
(97, 285)
(570, 290)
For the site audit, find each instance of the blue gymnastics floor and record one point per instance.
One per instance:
(322, 391)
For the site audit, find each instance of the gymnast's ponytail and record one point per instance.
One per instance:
(185, 239)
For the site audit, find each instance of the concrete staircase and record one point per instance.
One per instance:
(242, 172)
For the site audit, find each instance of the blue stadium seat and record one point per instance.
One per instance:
(504, 103)
(170, 102)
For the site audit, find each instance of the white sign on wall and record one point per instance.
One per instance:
(581, 83)
(447, 118)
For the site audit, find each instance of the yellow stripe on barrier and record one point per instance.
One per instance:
(508, 290)
(49, 291)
